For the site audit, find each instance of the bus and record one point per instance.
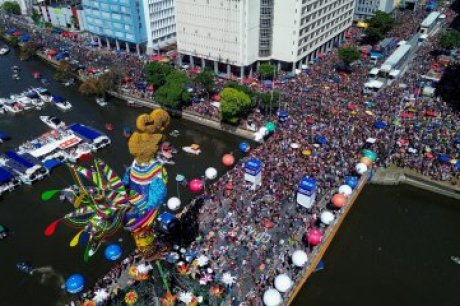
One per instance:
(395, 60)
(429, 22)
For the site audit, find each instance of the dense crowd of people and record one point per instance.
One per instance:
(253, 233)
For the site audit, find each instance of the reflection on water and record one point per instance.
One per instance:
(26, 216)
(394, 248)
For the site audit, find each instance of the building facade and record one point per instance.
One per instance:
(238, 34)
(116, 21)
(63, 16)
(26, 5)
(366, 8)
(160, 24)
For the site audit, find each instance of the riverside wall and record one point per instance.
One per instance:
(329, 234)
(395, 176)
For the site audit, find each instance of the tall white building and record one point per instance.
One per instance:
(367, 8)
(160, 24)
(237, 34)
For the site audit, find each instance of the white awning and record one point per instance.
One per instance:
(374, 71)
(385, 68)
(44, 150)
(395, 73)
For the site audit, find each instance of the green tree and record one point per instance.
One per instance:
(63, 71)
(382, 21)
(206, 79)
(348, 55)
(173, 93)
(242, 88)
(269, 100)
(27, 50)
(11, 7)
(234, 104)
(91, 86)
(449, 39)
(379, 25)
(110, 80)
(35, 16)
(13, 41)
(156, 73)
(267, 71)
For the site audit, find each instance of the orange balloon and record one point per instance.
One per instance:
(228, 160)
(339, 200)
(367, 161)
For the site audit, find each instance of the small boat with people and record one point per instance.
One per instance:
(25, 166)
(96, 139)
(455, 259)
(109, 127)
(4, 50)
(101, 101)
(11, 106)
(53, 122)
(82, 152)
(165, 154)
(8, 180)
(3, 232)
(16, 76)
(15, 68)
(174, 133)
(43, 94)
(69, 82)
(4, 137)
(134, 104)
(61, 103)
(192, 149)
(24, 267)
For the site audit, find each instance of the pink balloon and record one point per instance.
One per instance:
(314, 236)
(195, 185)
(228, 160)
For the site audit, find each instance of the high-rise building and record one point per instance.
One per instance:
(367, 8)
(160, 24)
(116, 21)
(237, 34)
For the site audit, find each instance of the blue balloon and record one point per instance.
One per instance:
(380, 125)
(244, 147)
(75, 283)
(112, 252)
(351, 181)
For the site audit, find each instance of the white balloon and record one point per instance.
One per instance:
(272, 298)
(263, 130)
(299, 258)
(173, 203)
(361, 168)
(283, 283)
(210, 173)
(345, 190)
(327, 217)
(258, 136)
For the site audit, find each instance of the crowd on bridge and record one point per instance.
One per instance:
(320, 102)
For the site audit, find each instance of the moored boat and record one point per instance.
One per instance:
(96, 139)
(53, 122)
(26, 167)
(4, 50)
(193, 149)
(101, 101)
(61, 103)
(43, 94)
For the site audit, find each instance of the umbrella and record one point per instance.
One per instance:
(380, 125)
(321, 140)
(444, 158)
(270, 126)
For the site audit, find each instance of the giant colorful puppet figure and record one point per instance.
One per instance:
(110, 203)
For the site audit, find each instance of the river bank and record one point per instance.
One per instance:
(395, 176)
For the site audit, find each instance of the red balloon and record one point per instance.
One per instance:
(195, 185)
(339, 200)
(228, 160)
(314, 236)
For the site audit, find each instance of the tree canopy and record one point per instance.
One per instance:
(11, 7)
(62, 71)
(174, 92)
(239, 87)
(267, 71)
(268, 100)
(99, 86)
(27, 50)
(157, 72)
(379, 25)
(449, 39)
(206, 79)
(234, 104)
(348, 55)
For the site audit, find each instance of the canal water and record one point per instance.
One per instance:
(393, 248)
(26, 215)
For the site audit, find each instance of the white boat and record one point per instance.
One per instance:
(101, 102)
(193, 149)
(34, 174)
(26, 168)
(26, 102)
(63, 105)
(16, 77)
(60, 155)
(11, 106)
(53, 122)
(69, 82)
(43, 94)
(100, 143)
(75, 154)
(4, 50)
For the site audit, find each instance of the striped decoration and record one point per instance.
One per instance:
(143, 175)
